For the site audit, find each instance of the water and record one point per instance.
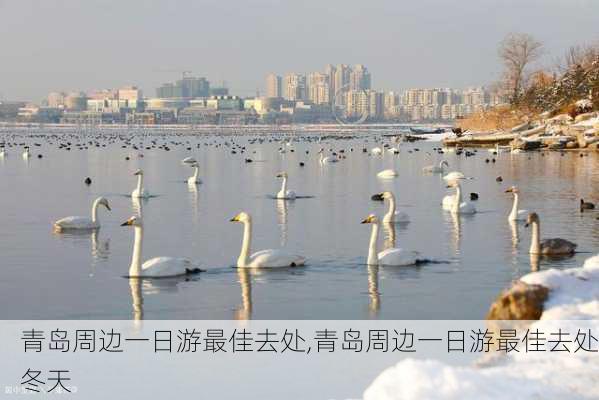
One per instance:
(45, 275)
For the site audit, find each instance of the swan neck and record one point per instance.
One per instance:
(535, 242)
(514, 212)
(372, 253)
(135, 269)
(458, 198)
(95, 210)
(140, 181)
(284, 185)
(245, 245)
(196, 172)
(391, 212)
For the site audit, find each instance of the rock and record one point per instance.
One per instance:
(521, 302)
(572, 145)
(525, 145)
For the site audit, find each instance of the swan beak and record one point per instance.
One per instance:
(126, 223)
(108, 207)
(368, 220)
(234, 219)
(510, 190)
(526, 225)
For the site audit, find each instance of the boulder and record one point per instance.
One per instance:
(521, 302)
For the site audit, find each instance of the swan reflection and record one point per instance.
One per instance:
(282, 209)
(244, 312)
(373, 290)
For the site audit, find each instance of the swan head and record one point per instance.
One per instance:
(531, 219)
(386, 195)
(138, 172)
(241, 217)
(102, 201)
(282, 175)
(133, 221)
(371, 219)
(512, 189)
(452, 184)
(444, 162)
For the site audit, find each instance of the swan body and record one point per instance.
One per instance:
(459, 206)
(515, 214)
(140, 192)
(194, 179)
(392, 216)
(547, 247)
(82, 223)
(453, 176)
(376, 151)
(285, 194)
(391, 257)
(2, 153)
(189, 160)
(387, 173)
(265, 258)
(158, 267)
(434, 169)
(26, 154)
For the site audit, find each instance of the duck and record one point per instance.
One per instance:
(157, 267)
(82, 223)
(516, 214)
(547, 247)
(284, 194)
(586, 205)
(269, 258)
(390, 257)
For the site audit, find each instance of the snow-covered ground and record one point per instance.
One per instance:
(574, 297)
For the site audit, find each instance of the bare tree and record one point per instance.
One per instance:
(518, 51)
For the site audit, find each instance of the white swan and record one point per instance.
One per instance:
(195, 178)
(547, 247)
(158, 267)
(453, 176)
(387, 173)
(265, 258)
(79, 223)
(326, 160)
(2, 152)
(26, 153)
(459, 206)
(140, 192)
(390, 257)
(393, 216)
(189, 160)
(515, 214)
(284, 194)
(376, 151)
(434, 169)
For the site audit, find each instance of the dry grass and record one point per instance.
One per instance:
(494, 119)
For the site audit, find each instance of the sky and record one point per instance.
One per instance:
(65, 45)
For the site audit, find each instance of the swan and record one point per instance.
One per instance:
(434, 169)
(158, 267)
(194, 179)
(459, 206)
(390, 257)
(2, 152)
(189, 160)
(74, 223)
(285, 194)
(376, 151)
(547, 247)
(265, 258)
(140, 192)
(393, 216)
(326, 160)
(454, 175)
(387, 173)
(26, 153)
(515, 214)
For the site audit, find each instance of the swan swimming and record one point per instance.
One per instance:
(326, 160)
(547, 247)
(376, 151)
(265, 258)
(26, 153)
(80, 223)
(140, 192)
(454, 176)
(515, 214)
(387, 173)
(390, 257)
(158, 267)
(2, 152)
(284, 194)
(434, 169)
(194, 179)
(459, 206)
(393, 216)
(189, 160)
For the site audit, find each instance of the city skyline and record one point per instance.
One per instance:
(68, 45)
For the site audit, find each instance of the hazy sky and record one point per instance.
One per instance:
(51, 45)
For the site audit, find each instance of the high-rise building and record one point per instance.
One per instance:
(330, 70)
(189, 87)
(273, 86)
(318, 88)
(56, 99)
(359, 78)
(342, 77)
(295, 86)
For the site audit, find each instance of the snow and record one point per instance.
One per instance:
(574, 295)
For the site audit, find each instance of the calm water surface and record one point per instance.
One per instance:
(44, 275)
